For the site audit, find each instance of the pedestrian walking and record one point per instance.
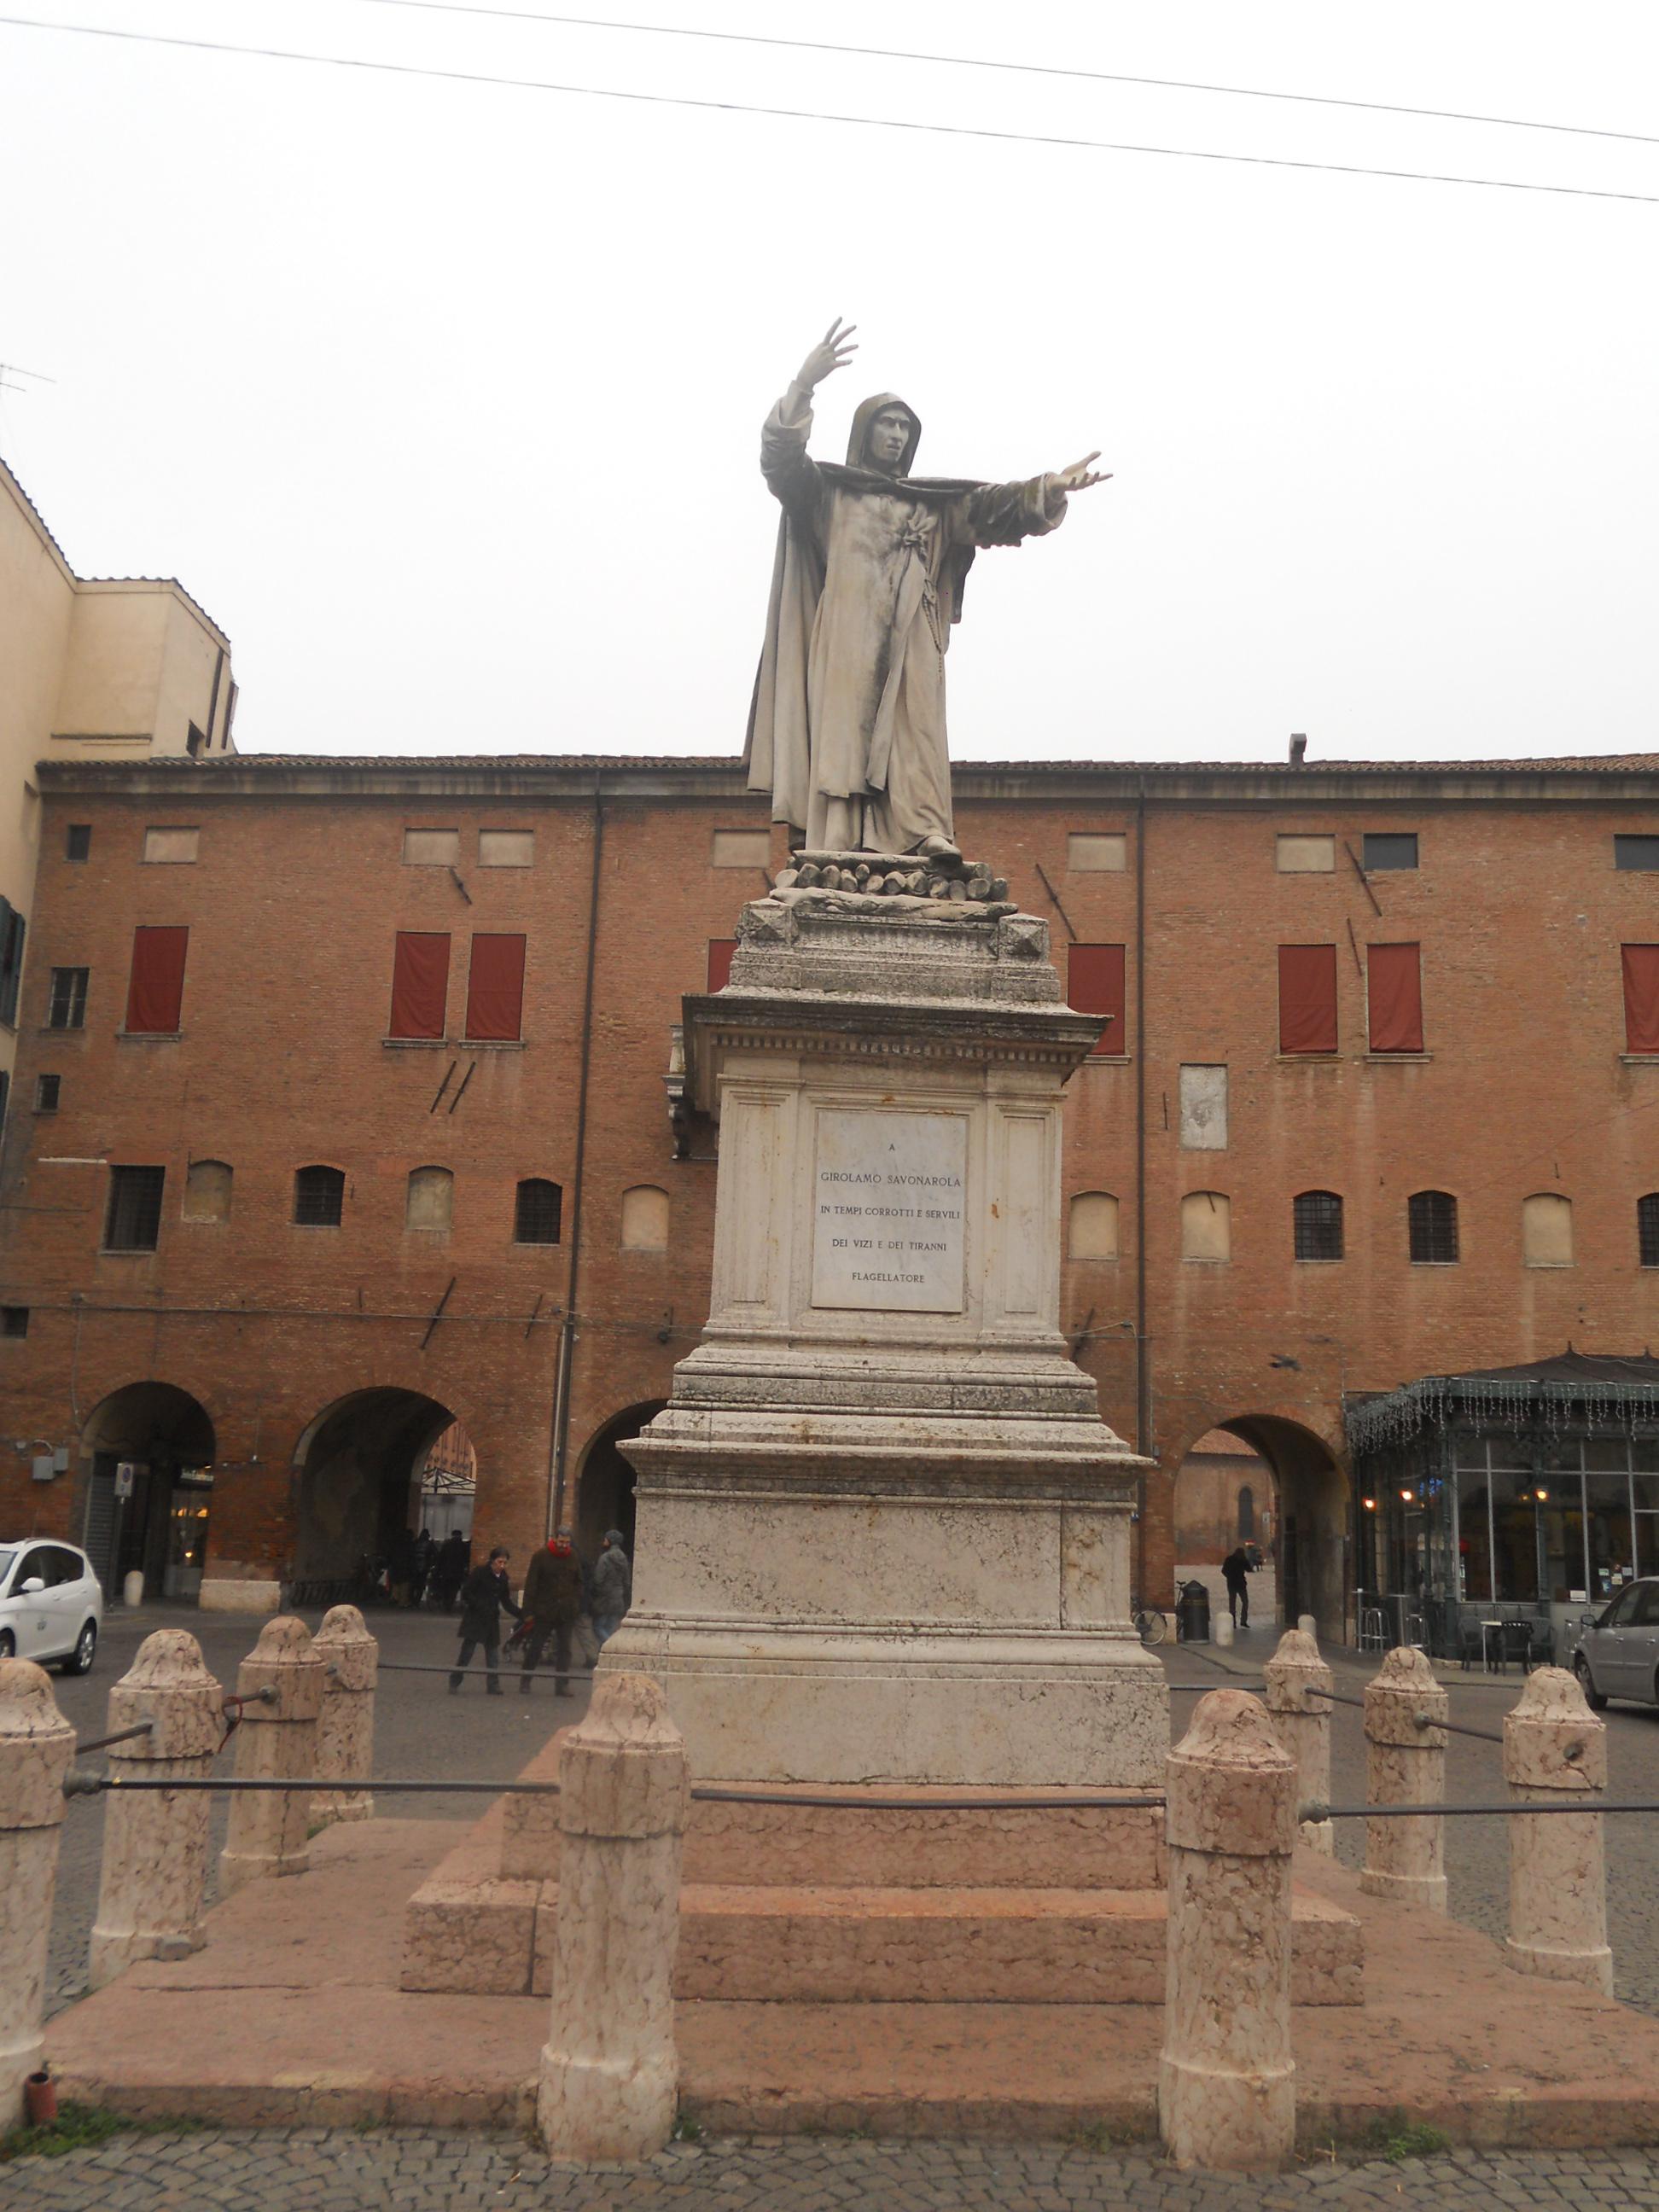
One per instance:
(484, 1599)
(449, 1570)
(1236, 1573)
(613, 1585)
(552, 1600)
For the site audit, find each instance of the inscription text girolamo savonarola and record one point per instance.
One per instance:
(887, 1211)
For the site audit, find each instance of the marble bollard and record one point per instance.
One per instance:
(1406, 1765)
(276, 1741)
(1297, 1698)
(36, 1743)
(609, 2074)
(155, 1842)
(1226, 2082)
(1555, 1747)
(345, 1729)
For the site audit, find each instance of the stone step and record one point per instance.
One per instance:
(991, 1846)
(839, 1944)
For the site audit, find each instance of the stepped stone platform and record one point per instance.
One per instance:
(292, 2016)
(807, 1904)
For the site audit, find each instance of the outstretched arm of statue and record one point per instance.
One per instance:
(833, 351)
(1002, 514)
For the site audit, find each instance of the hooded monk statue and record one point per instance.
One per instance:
(847, 731)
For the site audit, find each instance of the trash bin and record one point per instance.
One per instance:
(1193, 1613)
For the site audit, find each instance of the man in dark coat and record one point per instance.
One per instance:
(483, 1599)
(1236, 1573)
(552, 1600)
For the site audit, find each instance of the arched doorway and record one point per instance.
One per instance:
(1224, 1496)
(605, 1481)
(359, 1471)
(1309, 1493)
(149, 1489)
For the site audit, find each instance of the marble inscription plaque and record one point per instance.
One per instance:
(888, 1202)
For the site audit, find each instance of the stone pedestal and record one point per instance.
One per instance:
(1298, 1701)
(884, 1533)
(266, 1829)
(155, 1842)
(345, 1727)
(1406, 1765)
(36, 1744)
(1555, 1747)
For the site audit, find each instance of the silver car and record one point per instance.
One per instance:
(1618, 1654)
(51, 1605)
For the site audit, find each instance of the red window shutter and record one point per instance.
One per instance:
(721, 950)
(1641, 998)
(1307, 998)
(1394, 984)
(1094, 985)
(420, 983)
(495, 990)
(155, 992)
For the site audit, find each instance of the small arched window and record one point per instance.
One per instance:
(645, 1219)
(430, 1200)
(1092, 1226)
(1431, 1225)
(1547, 1229)
(207, 1191)
(318, 1197)
(1647, 1228)
(1317, 1216)
(540, 1208)
(1206, 1225)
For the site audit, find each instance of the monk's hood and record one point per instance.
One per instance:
(858, 475)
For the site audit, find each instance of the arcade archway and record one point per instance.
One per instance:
(1294, 1477)
(358, 1471)
(150, 1491)
(605, 1481)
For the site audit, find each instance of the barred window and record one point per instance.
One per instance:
(67, 1007)
(536, 1220)
(318, 1197)
(1432, 1218)
(1318, 1219)
(1647, 1228)
(134, 1219)
(46, 1090)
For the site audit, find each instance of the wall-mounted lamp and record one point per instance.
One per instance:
(1370, 1504)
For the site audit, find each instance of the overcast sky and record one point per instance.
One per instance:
(443, 399)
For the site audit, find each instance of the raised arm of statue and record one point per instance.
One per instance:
(790, 472)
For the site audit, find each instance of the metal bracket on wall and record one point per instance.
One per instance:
(438, 1312)
(1054, 895)
(471, 1069)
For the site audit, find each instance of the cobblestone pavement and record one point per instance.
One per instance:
(420, 1734)
(317, 2171)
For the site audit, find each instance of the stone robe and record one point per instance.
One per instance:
(847, 730)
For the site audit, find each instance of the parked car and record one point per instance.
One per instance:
(51, 1605)
(1618, 1654)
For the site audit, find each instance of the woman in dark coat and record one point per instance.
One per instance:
(482, 1600)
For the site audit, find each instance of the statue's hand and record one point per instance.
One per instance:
(833, 351)
(1081, 475)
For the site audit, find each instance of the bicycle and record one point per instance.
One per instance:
(1151, 1627)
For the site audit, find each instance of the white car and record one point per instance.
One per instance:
(51, 1605)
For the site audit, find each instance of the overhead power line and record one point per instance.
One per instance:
(814, 114)
(1020, 68)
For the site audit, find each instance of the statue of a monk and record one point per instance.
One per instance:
(847, 730)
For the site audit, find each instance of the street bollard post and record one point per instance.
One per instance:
(276, 1741)
(609, 2086)
(1554, 1745)
(1406, 1765)
(155, 1842)
(1226, 2081)
(36, 1745)
(345, 1728)
(1298, 1701)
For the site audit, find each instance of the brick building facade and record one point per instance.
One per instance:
(1309, 1160)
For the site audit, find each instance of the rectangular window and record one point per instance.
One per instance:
(134, 1219)
(1641, 963)
(13, 930)
(1307, 998)
(494, 989)
(46, 1089)
(173, 848)
(506, 849)
(1102, 852)
(1391, 848)
(420, 983)
(1306, 856)
(1094, 985)
(1636, 852)
(156, 991)
(1394, 996)
(77, 841)
(195, 743)
(721, 950)
(431, 848)
(741, 848)
(14, 1320)
(66, 1009)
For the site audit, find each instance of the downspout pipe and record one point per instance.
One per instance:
(560, 1441)
(1142, 1375)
